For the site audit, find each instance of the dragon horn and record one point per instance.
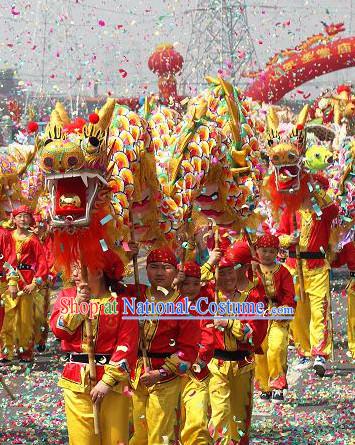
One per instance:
(233, 109)
(63, 115)
(105, 114)
(147, 107)
(302, 117)
(272, 120)
(337, 112)
(55, 119)
(215, 80)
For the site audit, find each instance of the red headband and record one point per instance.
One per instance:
(22, 209)
(238, 253)
(267, 240)
(163, 255)
(192, 269)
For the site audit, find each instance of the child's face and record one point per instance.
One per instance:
(227, 279)
(267, 255)
(23, 220)
(190, 287)
(161, 274)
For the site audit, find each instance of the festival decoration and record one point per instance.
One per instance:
(317, 55)
(166, 62)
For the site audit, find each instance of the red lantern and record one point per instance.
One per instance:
(166, 62)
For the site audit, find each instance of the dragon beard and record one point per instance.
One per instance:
(85, 245)
(292, 201)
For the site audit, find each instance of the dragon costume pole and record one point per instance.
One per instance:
(299, 263)
(216, 246)
(91, 354)
(137, 284)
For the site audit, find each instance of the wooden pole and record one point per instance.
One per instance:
(6, 388)
(299, 263)
(138, 290)
(91, 355)
(216, 246)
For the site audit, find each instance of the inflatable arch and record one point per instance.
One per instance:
(277, 80)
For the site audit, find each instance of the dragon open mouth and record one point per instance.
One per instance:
(288, 177)
(72, 197)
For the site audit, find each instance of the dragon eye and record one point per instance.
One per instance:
(72, 161)
(291, 156)
(48, 141)
(48, 162)
(94, 141)
(275, 158)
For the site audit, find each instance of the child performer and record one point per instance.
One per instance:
(232, 368)
(271, 367)
(171, 347)
(194, 389)
(32, 274)
(311, 324)
(347, 256)
(116, 344)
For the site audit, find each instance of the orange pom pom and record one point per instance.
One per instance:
(94, 118)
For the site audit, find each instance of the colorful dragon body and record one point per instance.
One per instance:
(174, 168)
(140, 155)
(21, 181)
(223, 185)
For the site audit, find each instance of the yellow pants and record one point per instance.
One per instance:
(80, 421)
(351, 317)
(311, 327)
(3, 289)
(271, 367)
(18, 327)
(231, 396)
(154, 413)
(194, 412)
(41, 307)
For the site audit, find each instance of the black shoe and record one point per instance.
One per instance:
(265, 395)
(319, 366)
(277, 395)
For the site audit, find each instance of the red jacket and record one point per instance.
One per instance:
(279, 283)
(7, 252)
(314, 233)
(244, 335)
(31, 259)
(48, 248)
(113, 335)
(175, 340)
(346, 256)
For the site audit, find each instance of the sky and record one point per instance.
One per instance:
(64, 47)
